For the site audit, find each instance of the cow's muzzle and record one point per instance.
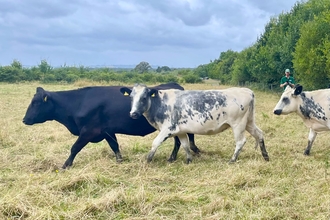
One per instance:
(278, 111)
(27, 122)
(135, 115)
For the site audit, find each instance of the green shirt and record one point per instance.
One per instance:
(285, 79)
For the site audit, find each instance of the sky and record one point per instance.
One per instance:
(173, 33)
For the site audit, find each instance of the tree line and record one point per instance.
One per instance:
(298, 40)
(142, 73)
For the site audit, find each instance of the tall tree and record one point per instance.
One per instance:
(16, 64)
(312, 55)
(44, 67)
(242, 67)
(163, 69)
(142, 67)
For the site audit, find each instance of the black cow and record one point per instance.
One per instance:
(93, 114)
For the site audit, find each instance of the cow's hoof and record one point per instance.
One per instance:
(119, 158)
(171, 160)
(197, 154)
(150, 156)
(266, 157)
(149, 159)
(195, 149)
(189, 160)
(231, 161)
(67, 164)
(64, 167)
(307, 153)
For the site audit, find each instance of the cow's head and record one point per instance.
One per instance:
(288, 102)
(40, 108)
(141, 99)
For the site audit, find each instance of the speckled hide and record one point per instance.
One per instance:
(312, 106)
(204, 112)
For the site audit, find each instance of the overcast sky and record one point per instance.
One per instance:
(174, 33)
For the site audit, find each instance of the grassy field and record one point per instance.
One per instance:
(32, 185)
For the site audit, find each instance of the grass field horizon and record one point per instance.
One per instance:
(33, 185)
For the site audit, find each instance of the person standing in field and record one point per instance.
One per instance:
(287, 80)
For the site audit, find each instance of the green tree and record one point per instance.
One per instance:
(163, 69)
(192, 78)
(16, 64)
(44, 67)
(33, 74)
(312, 55)
(10, 74)
(202, 70)
(223, 67)
(242, 68)
(142, 67)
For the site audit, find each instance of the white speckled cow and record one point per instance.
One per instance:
(313, 107)
(176, 113)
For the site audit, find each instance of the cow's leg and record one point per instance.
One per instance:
(80, 143)
(112, 141)
(311, 138)
(175, 150)
(185, 144)
(177, 144)
(86, 135)
(258, 135)
(193, 146)
(240, 141)
(161, 137)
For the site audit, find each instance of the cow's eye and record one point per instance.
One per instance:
(286, 100)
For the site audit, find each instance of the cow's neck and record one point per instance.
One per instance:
(310, 108)
(64, 103)
(151, 119)
(152, 114)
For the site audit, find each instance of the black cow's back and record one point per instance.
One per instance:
(98, 107)
(107, 109)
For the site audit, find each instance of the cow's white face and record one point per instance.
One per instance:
(140, 96)
(289, 101)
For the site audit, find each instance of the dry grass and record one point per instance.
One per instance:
(32, 186)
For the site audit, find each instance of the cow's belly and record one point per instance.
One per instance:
(203, 128)
(318, 126)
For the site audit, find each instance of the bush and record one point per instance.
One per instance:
(32, 74)
(45, 73)
(71, 78)
(11, 74)
(49, 78)
(191, 78)
(171, 78)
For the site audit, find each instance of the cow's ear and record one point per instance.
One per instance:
(43, 93)
(40, 90)
(45, 96)
(298, 89)
(153, 93)
(125, 91)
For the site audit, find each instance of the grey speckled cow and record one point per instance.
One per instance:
(313, 107)
(176, 113)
